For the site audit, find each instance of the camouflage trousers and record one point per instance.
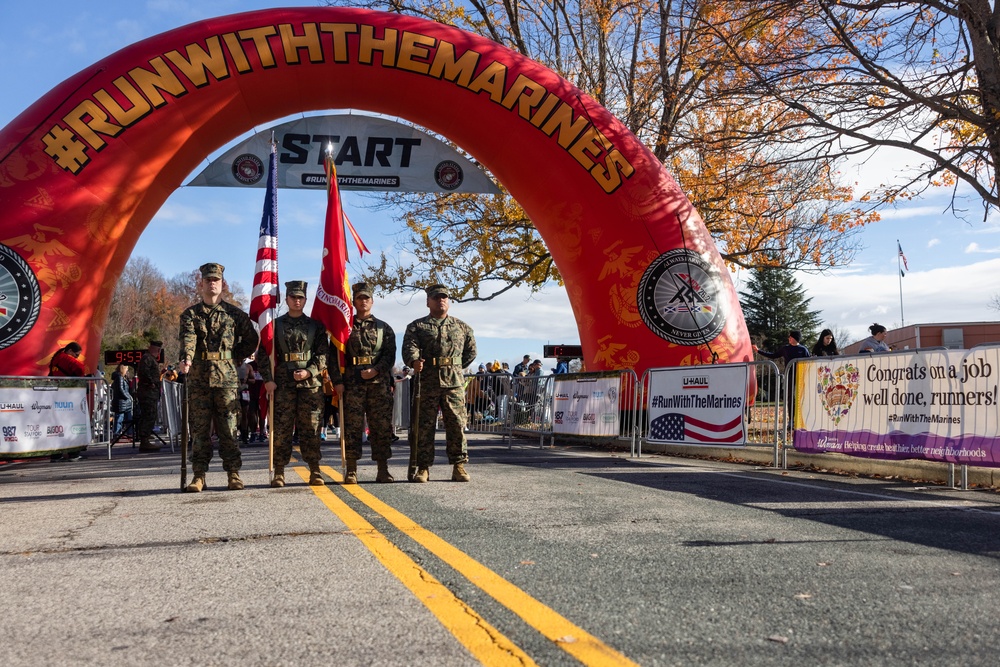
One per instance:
(371, 400)
(221, 406)
(451, 401)
(300, 410)
(148, 402)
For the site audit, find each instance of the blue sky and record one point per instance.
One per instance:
(953, 262)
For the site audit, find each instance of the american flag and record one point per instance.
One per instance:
(902, 256)
(332, 305)
(264, 300)
(676, 427)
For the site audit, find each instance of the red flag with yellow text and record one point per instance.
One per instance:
(332, 305)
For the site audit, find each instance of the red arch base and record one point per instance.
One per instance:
(86, 167)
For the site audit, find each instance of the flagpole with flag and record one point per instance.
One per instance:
(901, 259)
(332, 305)
(264, 299)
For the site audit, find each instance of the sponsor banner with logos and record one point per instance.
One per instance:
(43, 419)
(698, 405)
(586, 405)
(371, 153)
(935, 405)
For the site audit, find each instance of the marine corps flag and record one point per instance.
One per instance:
(332, 305)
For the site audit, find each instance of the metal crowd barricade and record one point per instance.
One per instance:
(488, 399)
(401, 404)
(529, 408)
(170, 404)
(763, 413)
(97, 408)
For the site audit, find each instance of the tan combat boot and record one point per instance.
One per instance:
(458, 473)
(423, 474)
(278, 480)
(197, 484)
(315, 477)
(352, 472)
(235, 483)
(383, 476)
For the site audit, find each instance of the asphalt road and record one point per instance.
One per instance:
(557, 556)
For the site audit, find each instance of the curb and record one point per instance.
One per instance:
(911, 469)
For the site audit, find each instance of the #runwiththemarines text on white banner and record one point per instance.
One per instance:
(698, 405)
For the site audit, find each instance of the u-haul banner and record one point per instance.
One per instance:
(43, 419)
(586, 405)
(698, 405)
(938, 406)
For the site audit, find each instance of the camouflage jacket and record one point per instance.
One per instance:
(147, 373)
(446, 345)
(222, 330)
(294, 343)
(360, 346)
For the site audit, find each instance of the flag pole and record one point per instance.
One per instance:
(899, 260)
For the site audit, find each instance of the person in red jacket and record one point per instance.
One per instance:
(66, 362)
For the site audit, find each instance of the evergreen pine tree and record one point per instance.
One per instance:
(773, 304)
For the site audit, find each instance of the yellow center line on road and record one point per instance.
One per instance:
(566, 635)
(487, 644)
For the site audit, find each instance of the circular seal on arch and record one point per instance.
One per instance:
(20, 297)
(448, 174)
(679, 298)
(248, 169)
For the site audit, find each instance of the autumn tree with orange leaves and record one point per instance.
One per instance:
(676, 83)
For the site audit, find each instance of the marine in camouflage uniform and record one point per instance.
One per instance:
(214, 335)
(295, 385)
(438, 347)
(366, 386)
(148, 392)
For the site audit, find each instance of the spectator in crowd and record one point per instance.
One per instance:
(121, 398)
(875, 342)
(521, 369)
(148, 393)
(255, 420)
(66, 362)
(794, 349)
(169, 374)
(825, 345)
(243, 374)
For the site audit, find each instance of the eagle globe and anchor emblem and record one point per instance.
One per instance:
(679, 296)
(20, 297)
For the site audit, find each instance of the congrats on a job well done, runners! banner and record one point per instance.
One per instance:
(937, 406)
(44, 418)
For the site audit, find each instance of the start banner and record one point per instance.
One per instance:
(697, 405)
(586, 405)
(933, 405)
(43, 418)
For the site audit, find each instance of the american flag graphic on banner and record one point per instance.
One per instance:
(676, 427)
(264, 299)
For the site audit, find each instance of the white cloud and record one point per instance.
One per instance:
(972, 247)
(933, 242)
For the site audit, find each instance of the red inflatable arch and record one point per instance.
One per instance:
(85, 168)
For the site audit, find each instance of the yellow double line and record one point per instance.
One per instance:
(484, 641)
